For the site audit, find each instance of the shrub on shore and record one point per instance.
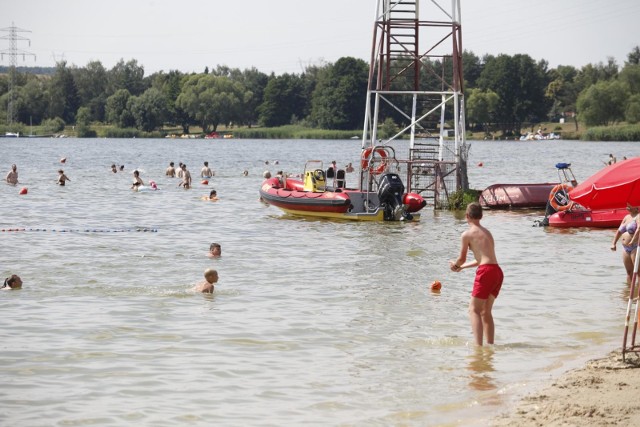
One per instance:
(612, 133)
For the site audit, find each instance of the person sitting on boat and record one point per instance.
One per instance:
(628, 233)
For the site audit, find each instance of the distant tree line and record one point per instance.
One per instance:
(502, 93)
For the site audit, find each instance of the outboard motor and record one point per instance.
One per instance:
(390, 191)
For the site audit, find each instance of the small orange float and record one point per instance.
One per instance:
(205, 182)
(436, 285)
(24, 190)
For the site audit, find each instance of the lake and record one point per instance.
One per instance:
(313, 322)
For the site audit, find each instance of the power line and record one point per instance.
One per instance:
(13, 52)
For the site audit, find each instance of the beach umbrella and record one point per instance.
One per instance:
(611, 188)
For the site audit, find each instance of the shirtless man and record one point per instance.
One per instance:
(171, 171)
(206, 172)
(489, 276)
(210, 279)
(186, 178)
(12, 176)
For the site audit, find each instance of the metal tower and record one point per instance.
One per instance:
(13, 52)
(416, 77)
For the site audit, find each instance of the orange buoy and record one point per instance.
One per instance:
(24, 190)
(436, 285)
(480, 164)
(205, 182)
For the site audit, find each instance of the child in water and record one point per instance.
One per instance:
(215, 250)
(210, 278)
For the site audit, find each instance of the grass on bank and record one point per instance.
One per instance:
(622, 132)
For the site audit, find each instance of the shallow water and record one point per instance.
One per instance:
(313, 322)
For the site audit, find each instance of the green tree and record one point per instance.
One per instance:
(603, 103)
(630, 76)
(213, 100)
(388, 128)
(33, 101)
(633, 58)
(83, 123)
(129, 76)
(117, 111)
(91, 81)
(481, 107)
(255, 82)
(561, 90)
(632, 111)
(520, 85)
(284, 99)
(64, 100)
(339, 97)
(148, 110)
(170, 84)
(472, 68)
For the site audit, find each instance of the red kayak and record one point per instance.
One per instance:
(605, 218)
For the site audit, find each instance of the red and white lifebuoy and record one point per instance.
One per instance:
(366, 156)
(559, 197)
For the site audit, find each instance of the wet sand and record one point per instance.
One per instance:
(604, 392)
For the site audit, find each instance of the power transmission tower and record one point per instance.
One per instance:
(13, 52)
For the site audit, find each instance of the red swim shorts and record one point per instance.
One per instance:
(488, 281)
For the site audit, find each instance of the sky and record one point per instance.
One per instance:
(285, 36)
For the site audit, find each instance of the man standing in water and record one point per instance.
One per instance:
(186, 177)
(489, 276)
(12, 176)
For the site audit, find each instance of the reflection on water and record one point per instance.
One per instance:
(481, 367)
(312, 321)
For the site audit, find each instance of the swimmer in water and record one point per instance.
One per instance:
(206, 171)
(210, 279)
(215, 250)
(12, 176)
(62, 178)
(213, 196)
(137, 181)
(12, 282)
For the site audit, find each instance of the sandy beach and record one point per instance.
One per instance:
(602, 393)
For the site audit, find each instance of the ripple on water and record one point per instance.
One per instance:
(312, 321)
